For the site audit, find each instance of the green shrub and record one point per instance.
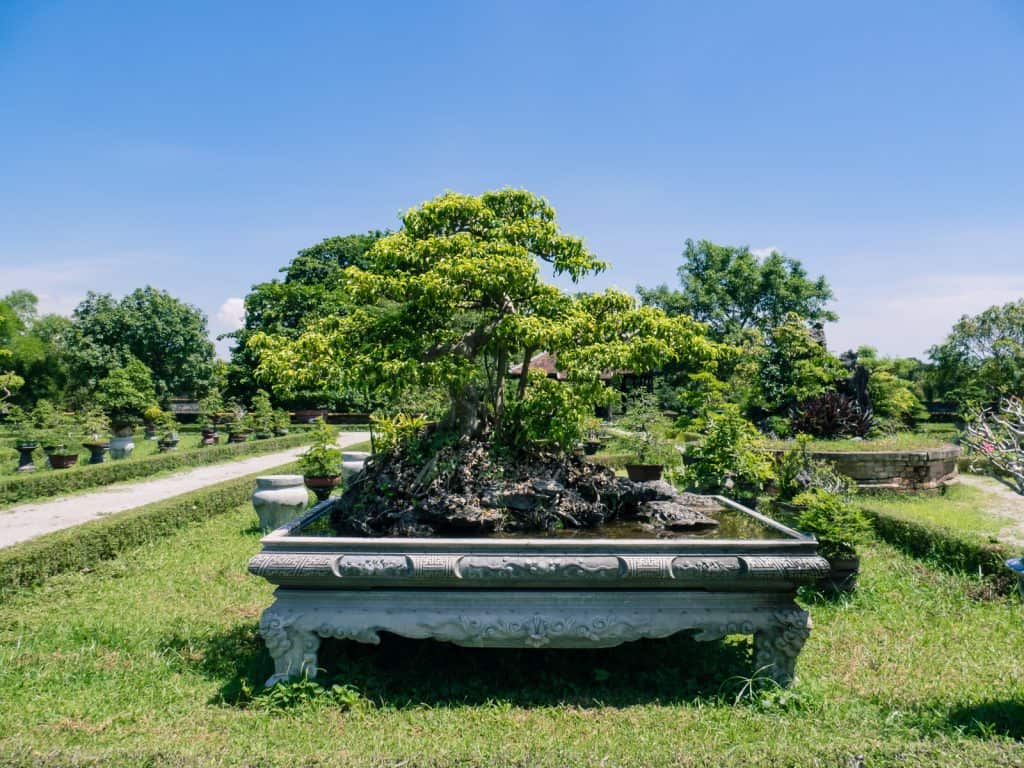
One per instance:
(796, 471)
(729, 457)
(82, 546)
(644, 426)
(323, 459)
(42, 484)
(839, 525)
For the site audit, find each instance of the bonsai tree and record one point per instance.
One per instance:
(321, 463)
(95, 426)
(167, 427)
(729, 456)
(211, 408)
(262, 415)
(455, 297)
(643, 426)
(151, 418)
(126, 393)
(282, 422)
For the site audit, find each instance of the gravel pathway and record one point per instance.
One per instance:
(30, 520)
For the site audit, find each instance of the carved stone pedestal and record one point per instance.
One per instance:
(293, 626)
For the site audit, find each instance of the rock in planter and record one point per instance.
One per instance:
(278, 499)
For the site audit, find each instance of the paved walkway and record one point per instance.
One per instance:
(30, 520)
(1007, 503)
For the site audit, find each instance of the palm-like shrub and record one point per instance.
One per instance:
(832, 415)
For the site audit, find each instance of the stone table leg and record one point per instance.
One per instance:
(777, 645)
(292, 648)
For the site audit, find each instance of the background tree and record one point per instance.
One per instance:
(167, 335)
(310, 290)
(455, 296)
(34, 347)
(982, 359)
(732, 290)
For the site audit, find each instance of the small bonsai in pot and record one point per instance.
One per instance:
(839, 527)
(261, 416)
(282, 422)
(95, 427)
(237, 424)
(592, 437)
(167, 428)
(151, 418)
(642, 425)
(58, 440)
(210, 408)
(321, 464)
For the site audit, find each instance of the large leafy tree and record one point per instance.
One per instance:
(982, 359)
(732, 290)
(310, 290)
(33, 348)
(167, 335)
(455, 297)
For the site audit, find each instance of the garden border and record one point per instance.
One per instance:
(945, 549)
(32, 562)
(46, 484)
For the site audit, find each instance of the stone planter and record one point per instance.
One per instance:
(25, 449)
(352, 462)
(322, 486)
(644, 473)
(63, 460)
(168, 444)
(545, 592)
(96, 451)
(210, 436)
(842, 576)
(1016, 565)
(149, 432)
(121, 447)
(278, 499)
(590, 447)
(237, 437)
(894, 470)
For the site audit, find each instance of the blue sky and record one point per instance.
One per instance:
(196, 146)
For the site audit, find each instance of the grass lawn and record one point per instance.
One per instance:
(959, 508)
(901, 441)
(153, 659)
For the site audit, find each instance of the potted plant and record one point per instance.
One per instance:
(261, 417)
(59, 437)
(210, 408)
(641, 426)
(125, 394)
(95, 427)
(26, 438)
(592, 440)
(236, 423)
(151, 418)
(839, 527)
(282, 422)
(168, 430)
(321, 464)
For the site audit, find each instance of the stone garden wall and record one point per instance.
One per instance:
(897, 470)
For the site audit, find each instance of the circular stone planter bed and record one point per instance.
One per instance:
(563, 590)
(901, 470)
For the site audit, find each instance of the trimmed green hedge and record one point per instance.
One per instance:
(83, 546)
(945, 549)
(45, 483)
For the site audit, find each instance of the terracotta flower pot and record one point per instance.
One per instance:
(322, 486)
(644, 473)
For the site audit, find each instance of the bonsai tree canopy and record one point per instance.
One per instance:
(455, 297)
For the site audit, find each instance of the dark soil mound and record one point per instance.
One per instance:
(466, 489)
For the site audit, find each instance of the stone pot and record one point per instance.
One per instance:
(25, 449)
(263, 435)
(280, 432)
(121, 447)
(168, 444)
(644, 473)
(210, 436)
(278, 499)
(149, 431)
(590, 447)
(96, 451)
(238, 437)
(322, 486)
(63, 460)
(842, 577)
(1016, 564)
(352, 462)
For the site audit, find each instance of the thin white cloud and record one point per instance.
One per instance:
(907, 317)
(763, 253)
(230, 316)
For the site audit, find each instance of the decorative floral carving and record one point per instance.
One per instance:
(539, 630)
(511, 568)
